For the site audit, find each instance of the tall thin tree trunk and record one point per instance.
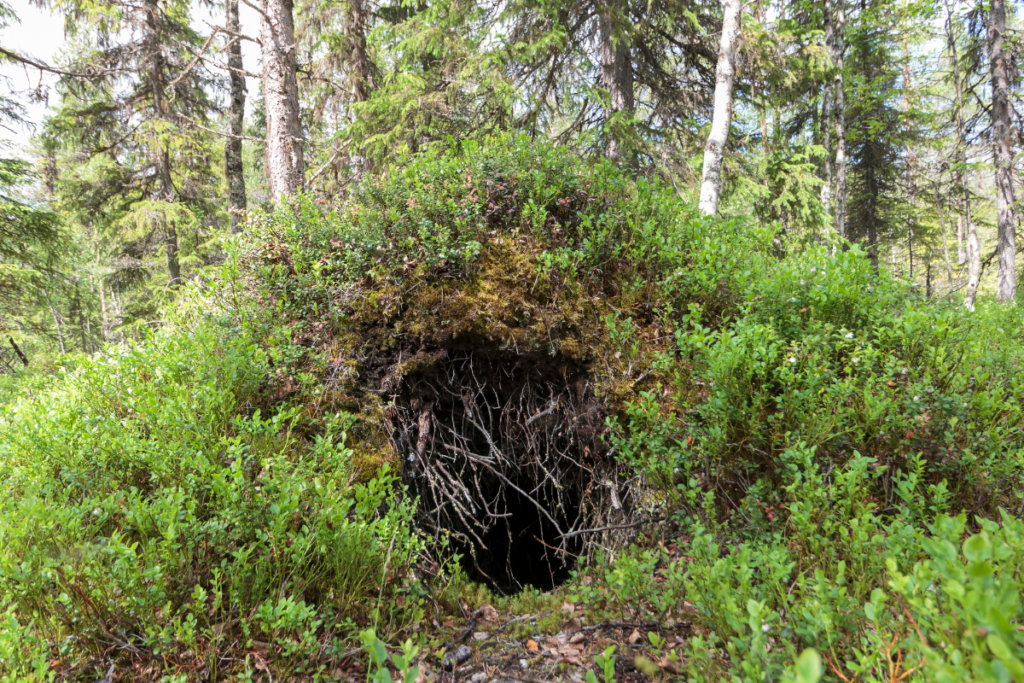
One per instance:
(964, 217)
(839, 99)
(616, 76)
(104, 318)
(973, 266)
(236, 121)
(56, 322)
(826, 115)
(826, 124)
(928, 276)
(721, 122)
(361, 74)
(909, 153)
(360, 68)
(945, 243)
(871, 190)
(162, 157)
(1002, 143)
(285, 163)
(961, 240)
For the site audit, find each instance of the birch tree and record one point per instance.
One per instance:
(711, 184)
(963, 219)
(837, 10)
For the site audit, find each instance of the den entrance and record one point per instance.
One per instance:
(503, 450)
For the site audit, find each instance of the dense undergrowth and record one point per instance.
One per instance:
(838, 461)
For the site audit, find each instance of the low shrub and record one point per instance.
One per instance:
(150, 504)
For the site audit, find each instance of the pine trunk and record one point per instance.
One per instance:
(1002, 143)
(616, 76)
(721, 122)
(284, 161)
(236, 121)
(360, 61)
(360, 69)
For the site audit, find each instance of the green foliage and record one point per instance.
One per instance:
(605, 660)
(829, 449)
(832, 355)
(150, 502)
(378, 652)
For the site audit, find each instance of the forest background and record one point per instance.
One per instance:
(685, 328)
(872, 121)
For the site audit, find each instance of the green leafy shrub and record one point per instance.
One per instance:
(149, 503)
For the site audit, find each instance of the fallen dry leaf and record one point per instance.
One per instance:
(568, 607)
(669, 666)
(481, 635)
(578, 638)
(634, 637)
(532, 646)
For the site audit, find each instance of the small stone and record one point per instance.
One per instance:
(481, 635)
(478, 677)
(456, 657)
(523, 664)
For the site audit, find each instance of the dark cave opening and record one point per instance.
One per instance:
(502, 451)
(524, 549)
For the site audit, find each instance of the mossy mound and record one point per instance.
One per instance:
(485, 312)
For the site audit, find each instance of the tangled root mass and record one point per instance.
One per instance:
(505, 453)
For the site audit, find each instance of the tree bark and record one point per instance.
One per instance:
(360, 68)
(285, 164)
(236, 121)
(721, 122)
(1002, 143)
(162, 157)
(56, 322)
(826, 115)
(973, 266)
(945, 243)
(839, 105)
(616, 77)
(361, 75)
(964, 216)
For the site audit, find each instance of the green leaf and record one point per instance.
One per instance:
(979, 570)
(808, 666)
(977, 547)
(1001, 650)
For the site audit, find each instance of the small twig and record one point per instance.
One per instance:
(612, 527)
(220, 132)
(330, 161)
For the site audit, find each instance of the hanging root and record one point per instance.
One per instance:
(506, 450)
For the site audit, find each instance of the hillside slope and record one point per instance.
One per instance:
(496, 368)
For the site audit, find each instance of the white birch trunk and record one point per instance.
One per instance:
(964, 216)
(973, 266)
(839, 93)
(711, 185)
